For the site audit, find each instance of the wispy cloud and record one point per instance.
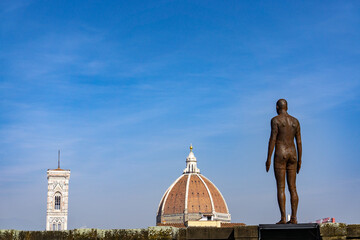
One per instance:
(11, 6)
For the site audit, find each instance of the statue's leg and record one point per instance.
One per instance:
(280, 184)
(291, 181)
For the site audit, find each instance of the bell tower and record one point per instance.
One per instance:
(57, 198)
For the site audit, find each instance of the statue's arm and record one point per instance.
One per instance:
(299, 147)
(272, 141)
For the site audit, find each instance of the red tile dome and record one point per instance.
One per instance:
(192, 197)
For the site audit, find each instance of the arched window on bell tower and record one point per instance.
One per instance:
(57, 201)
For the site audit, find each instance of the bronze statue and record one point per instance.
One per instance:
(284, 128)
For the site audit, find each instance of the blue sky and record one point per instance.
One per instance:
(124, 87)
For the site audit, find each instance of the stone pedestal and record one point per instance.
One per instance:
(310, 231)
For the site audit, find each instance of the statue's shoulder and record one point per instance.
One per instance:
(294, 120)
(275, 119)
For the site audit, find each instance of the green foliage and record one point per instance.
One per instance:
(160, 234)
(154, 233)
(7, 235)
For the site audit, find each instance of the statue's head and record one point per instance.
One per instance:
(281, 105)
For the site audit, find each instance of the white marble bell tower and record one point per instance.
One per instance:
(57, 198)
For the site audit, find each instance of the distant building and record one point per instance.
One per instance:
(57, 198)
(325, 220)
(192, 197)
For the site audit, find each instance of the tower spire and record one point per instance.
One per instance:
(59, 159)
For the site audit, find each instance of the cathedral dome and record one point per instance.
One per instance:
(192, 197)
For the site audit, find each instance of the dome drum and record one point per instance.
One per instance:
(179, 218)
(170, 218)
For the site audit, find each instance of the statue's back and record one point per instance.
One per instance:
(287, 129)
(285, 151)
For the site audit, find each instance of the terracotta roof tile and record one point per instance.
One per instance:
(178, 225)
(198, 198)
(175, 202)
(223, 224)
(182, 225)
(219, 202)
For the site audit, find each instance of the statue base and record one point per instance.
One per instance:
(299, 231)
